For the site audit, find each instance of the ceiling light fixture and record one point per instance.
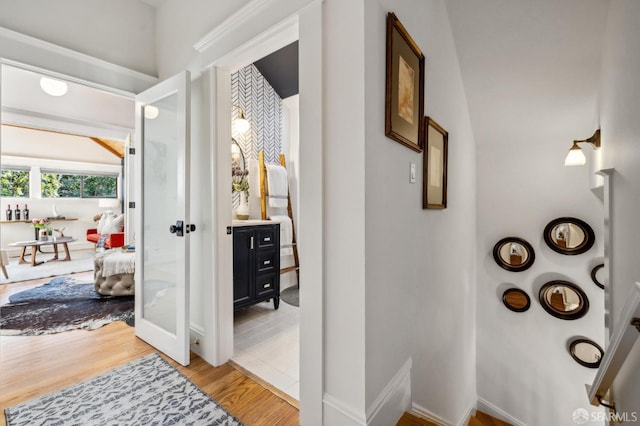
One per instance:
(53, 87)
(151, 112)
(576, 157)
(241, 124)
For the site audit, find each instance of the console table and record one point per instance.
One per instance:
(34, 249)
(49, 219)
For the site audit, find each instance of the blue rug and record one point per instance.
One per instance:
(62, 304)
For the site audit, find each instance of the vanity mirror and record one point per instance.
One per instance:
(586, 352)
(597, 275)
(564, 300)
(569, 235)
(513, 254)
(237, 156)
(516, 300)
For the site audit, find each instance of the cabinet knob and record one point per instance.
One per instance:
(267, 262)
(267, 239)
(267, 285)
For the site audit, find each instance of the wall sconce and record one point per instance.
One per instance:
(241, 124)
(576, 157)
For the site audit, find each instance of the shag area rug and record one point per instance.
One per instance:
(62, 304)
(147, 391)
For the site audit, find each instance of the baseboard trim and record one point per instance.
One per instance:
(344, 410)
(465, 420)
(498, 413)
(395, 392)
(432, 417)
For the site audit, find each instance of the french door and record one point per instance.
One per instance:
(162, 216)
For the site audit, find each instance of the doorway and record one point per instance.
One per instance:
(265, 140)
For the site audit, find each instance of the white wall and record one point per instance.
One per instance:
(118, 31)
(523, 359)
(620, 129)
(420, 264)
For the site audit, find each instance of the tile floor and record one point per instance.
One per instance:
(266, 342)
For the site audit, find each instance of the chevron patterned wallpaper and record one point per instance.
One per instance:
(263, 108)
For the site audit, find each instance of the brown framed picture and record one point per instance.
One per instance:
(404, 101)
(434, 166)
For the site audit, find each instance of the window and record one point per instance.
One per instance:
(75, 185)
(15, 182)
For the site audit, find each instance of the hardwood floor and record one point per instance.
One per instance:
(31, 366)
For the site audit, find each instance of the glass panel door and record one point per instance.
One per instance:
(162, 261)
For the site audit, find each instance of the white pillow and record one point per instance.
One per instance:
(113, 225)
(101, 222)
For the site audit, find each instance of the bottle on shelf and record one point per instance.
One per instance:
(9, 213)
(25, 212)
(16, 212)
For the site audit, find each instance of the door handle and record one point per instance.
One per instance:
(251, 243)
(178, 228)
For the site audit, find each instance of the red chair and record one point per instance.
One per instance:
(113, 240)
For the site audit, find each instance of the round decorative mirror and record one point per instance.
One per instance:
(586, 352)
(568, 235)
(513, 254)
(516, 300)
(597, 275)
(564, 300)
(237, 156)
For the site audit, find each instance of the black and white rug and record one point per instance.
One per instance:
(147, 391)
(62, 304)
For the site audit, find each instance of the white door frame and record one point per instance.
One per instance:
(226, 48)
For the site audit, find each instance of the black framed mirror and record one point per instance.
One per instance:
(569, 235)
(586, 352)
(514, 254)
(564, 300)
(597, 275)
(516, 300)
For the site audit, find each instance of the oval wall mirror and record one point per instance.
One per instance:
(597, 275)
(586, 352)
(569, 235)
(564, 300)
(513, 254)
(516, 300)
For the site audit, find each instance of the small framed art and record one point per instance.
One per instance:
(434, 166)
(404, 101)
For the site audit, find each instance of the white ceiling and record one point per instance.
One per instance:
(83, 110)
(154, 3)
(530, 68)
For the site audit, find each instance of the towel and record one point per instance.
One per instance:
(278, 186)
(286, 234)
(117, 262)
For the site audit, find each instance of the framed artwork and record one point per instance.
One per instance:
(404, 101)
(434, 166)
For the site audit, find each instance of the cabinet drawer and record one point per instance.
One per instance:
(267, 261)
(265, 285)
(267, 236)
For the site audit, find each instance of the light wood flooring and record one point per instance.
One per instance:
(31, 366)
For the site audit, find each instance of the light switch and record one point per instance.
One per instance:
(412, 173)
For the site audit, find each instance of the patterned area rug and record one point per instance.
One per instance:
(147, 391)
(62, 304)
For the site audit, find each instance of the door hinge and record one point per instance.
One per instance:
(132, 151)
(132, 204)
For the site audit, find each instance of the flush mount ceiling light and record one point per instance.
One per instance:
(576, 157)
(241, 124)
(53, 87)
(151, 112)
